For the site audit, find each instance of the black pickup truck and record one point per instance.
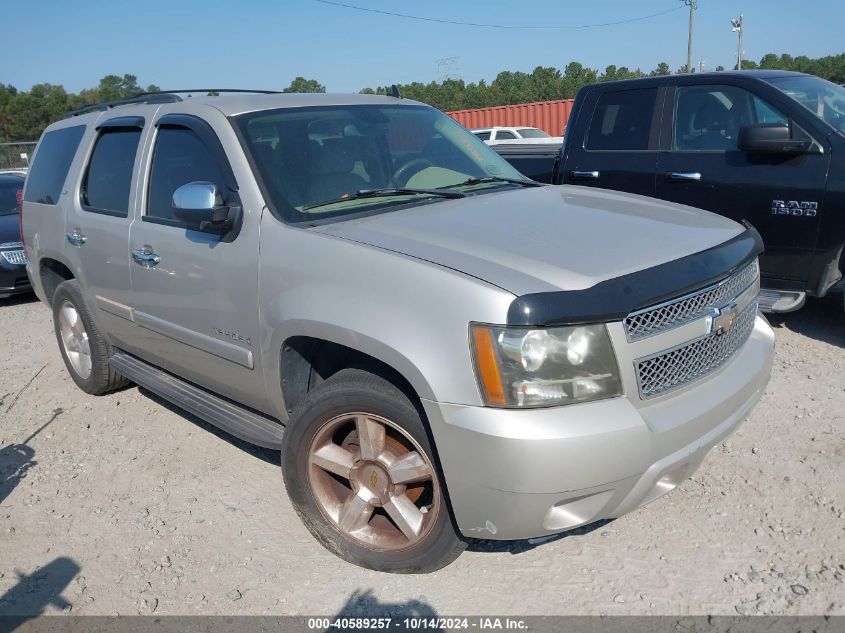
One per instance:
(767, 147)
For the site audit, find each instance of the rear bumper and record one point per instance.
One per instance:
(514, 474)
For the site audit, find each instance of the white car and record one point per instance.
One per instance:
(499, 135)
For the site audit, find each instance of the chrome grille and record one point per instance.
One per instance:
(666, 316)
(14, 257)
(675, 368)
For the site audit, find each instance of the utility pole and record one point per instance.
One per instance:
(693, 5)
(701, 65)
(737, 25)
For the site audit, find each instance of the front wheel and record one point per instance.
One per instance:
(360, 472)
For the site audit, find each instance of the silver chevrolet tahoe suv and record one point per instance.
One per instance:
(441, 349)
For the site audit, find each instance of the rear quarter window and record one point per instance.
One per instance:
(52, 161)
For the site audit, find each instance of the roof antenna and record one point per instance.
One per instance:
(394, 92)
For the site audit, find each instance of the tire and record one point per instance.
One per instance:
(333, 413)
(93, 375)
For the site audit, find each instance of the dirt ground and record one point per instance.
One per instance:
(123, 505)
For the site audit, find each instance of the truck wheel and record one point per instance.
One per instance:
(85, 351)
(360, 472)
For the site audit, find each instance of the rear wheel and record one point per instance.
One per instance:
(360, 472)
(85, 351)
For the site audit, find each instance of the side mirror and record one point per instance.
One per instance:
(200, 206)
(770, 138)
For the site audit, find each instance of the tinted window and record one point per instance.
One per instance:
(710, 117)
(52, 161)
(179, 157)
(622, 120)
(10, 192)
(502, 135)
(106, 183)
(484, 136)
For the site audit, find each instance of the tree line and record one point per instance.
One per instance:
(25, 114)
(547, 83)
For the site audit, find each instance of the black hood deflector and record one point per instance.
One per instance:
(614, 299)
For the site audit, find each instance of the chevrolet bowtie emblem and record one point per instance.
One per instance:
(724, 319)
(374, 479)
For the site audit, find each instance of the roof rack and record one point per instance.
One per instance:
(160, 96)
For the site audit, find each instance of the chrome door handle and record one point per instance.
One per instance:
(683, 176)
(585, 175)
(76, 238)
(145, 257)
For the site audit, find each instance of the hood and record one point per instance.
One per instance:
(543, 239)
(10, 230)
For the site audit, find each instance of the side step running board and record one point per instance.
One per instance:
(781, 300)
(241, 422)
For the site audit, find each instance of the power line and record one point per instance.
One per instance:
(494, 26)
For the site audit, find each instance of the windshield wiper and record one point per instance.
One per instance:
(386, 192)
(486, 179)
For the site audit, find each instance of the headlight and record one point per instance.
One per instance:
(542, 367)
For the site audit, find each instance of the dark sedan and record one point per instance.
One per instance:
(13, 279)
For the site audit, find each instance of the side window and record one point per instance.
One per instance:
(710, 117)
(52, 162)
(484, 136)
(179, 157)
(764, 113)
(622, 120)
(105, 187)
(504, 135)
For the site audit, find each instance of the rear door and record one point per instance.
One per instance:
(195, 296)
(780, 194)
(614, 144)
(99, 215)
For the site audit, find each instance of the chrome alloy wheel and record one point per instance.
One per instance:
(373, 481)
(75, 339)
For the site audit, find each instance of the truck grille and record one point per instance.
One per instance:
(14, 257)
(675, 368)
(666, 316)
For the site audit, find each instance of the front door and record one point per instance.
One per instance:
(195, 296)
(780, 194)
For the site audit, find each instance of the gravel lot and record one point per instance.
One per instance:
(123, 505)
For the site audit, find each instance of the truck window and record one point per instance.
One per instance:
(52, 160)
(484, 136)
(504, 135)
(622, 120)
(105, 187)
(709, 117)
(179, 157)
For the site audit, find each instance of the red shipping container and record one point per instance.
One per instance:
(549, 116)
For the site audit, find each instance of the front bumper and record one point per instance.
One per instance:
(515, 474)
(13, 279)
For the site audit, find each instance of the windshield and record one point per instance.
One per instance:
(824, 99)
(10, 195)
(315, 161)
(531, 132)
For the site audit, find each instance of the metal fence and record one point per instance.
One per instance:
(16, 155)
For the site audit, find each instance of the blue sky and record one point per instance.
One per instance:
(264, 44)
